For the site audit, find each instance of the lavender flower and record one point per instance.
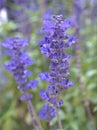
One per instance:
(47, 112)
(17, 65)
(53, 46)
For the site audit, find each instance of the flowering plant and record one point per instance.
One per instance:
(54, 45)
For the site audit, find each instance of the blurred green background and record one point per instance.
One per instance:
(25, 20)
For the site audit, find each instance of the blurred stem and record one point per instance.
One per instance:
(77, 15)
(81, 84)
(42, 6)
(35, 120)
(59, 120)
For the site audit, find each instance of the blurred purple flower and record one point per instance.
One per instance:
(17, 65)
(2, 3)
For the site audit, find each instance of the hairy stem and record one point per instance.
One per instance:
(35, 120)
(59, 120)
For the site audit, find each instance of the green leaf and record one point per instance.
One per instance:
(95, 109)
(8, 124)
(91, 73)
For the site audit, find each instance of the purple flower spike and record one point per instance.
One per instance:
(53, 46)
(17, 65)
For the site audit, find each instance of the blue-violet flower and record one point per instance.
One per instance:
(17, 65)
(54, 44)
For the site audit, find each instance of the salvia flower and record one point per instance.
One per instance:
(47, 112)
(54, 46)
(17, 65)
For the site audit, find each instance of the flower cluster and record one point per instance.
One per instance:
(47, 112)
(17, 65)
(54, 44)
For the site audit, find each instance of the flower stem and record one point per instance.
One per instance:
(35, 120)
(59, 120)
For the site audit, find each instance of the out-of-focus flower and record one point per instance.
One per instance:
(18, 63)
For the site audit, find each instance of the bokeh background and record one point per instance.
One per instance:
(23, 18)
